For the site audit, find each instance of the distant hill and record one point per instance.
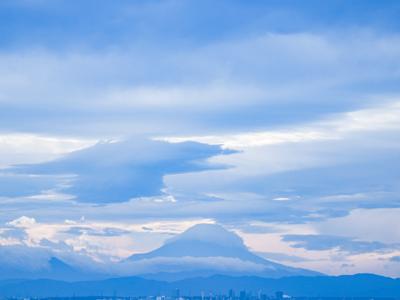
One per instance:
(360, 285)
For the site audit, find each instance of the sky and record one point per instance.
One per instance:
(126, 122)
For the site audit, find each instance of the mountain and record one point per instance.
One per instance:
(21, 262)
(360, 285)
(204, 250)
(53, 268)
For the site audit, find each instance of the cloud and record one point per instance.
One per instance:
(108, 231)
(12, 236)
(354, 224)
(375, 119)
(29, 258)
(187, 263)
(113, 171)
(342, 244)
(350, 162)
(200, 90)
(282, 257)
(167, 23)
(395, 259)
(23, 222)
(31, 148)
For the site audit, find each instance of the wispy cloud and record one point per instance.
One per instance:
(327, 242)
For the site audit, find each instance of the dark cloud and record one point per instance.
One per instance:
(108, 231)
(112, 172)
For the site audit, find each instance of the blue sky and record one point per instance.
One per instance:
(125, 122)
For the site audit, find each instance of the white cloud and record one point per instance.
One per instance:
(381, 118)
(19, 148)
(23, 222)
(187, 263)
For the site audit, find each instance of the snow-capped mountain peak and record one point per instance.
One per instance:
(207, 248)
(209, 233)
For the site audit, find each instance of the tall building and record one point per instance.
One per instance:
(231, 294)
(279, 295)
(242, 295)
(177, 294)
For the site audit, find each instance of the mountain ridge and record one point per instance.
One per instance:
(357, 285)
